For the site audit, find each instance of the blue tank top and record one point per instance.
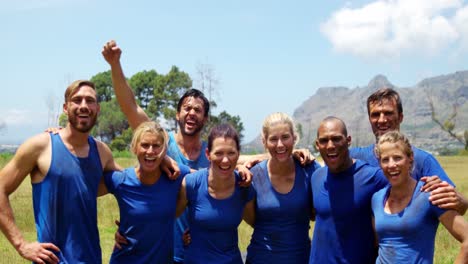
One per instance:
(65, 202)
(146, 215)
(213, 222)
(282, 220)
(181, 222)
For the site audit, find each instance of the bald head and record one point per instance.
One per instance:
(333, 143)
(333, 119)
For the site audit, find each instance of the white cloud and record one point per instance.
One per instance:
(460, 22)
(392, 28)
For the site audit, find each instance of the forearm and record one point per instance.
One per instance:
(462, 256)
(126, 97)
(252, 158)
(463, 203)
(7, 223)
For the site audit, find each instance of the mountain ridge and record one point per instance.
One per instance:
(349, 104)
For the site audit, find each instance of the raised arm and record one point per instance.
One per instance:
(125, 96)
(11, 176)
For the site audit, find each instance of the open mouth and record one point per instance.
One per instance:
(150, 160)
(225, 168)
(332, 156)
(83, 116)
(393, 174)
(281, 153)
(383, 129)
(191, 123)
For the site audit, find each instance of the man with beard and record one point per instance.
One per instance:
(185, 146)
(385, 112)
(341, 193)
(65, 171)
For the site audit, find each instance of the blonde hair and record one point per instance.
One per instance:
(279, 118)
(394, 137)
(74, 86)
(148, 127)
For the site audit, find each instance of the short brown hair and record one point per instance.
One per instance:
(74, 86)
(385, 93)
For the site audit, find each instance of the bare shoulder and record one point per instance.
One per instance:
(104, 150)
(105, 154)
(35, 145)
(32, 157)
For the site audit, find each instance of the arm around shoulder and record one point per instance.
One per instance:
(249, 213)
(182, 198)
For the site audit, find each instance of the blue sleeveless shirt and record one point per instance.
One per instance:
(181, 222)
(65, 205)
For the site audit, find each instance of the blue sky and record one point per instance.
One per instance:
(268, 55)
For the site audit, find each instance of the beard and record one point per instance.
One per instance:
(197, 128)
(83, 127)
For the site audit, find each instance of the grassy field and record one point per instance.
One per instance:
(446, 246)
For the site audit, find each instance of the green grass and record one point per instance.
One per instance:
(446, 246)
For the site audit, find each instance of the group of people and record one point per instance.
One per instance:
(381, 203)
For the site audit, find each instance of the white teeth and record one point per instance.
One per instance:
(280, 151)
(394, 173)
(332, 155)
(150, 158)
(225, 167)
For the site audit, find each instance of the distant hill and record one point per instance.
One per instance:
(350, 105)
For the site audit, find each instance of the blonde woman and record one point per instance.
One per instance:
(405, 220)
(147, 200)
(281, 213)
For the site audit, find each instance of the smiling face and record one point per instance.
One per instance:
(279, 141)
(333, 142)
(82, 109)
(384, 116)
(223, 156)
(395, 162)
(150, 151)
(191, 117)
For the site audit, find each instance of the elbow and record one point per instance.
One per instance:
(464, 246)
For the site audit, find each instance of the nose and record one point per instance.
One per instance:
(150, 149)
(225, 159)
(330, 144)
(382, 118)
(391, 163)
(280, 143)
(83, 103)
(191, 111)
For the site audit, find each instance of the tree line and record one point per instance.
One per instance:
(158, 94)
